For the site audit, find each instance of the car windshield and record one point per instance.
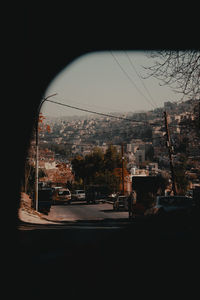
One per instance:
(63, 193)
(174, 201)
(81, 192)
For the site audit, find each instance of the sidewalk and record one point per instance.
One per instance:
(28, 215)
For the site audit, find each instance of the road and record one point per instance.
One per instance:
(89, 253)
(80, 211)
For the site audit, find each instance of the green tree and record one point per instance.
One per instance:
(28, 184)
(181, 180)
(149, 155)
(78, 164)
(183, 146)
(112, 159)
(98, 168)
(109, 179)
(93, 164)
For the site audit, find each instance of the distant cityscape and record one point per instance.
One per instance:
(144, 140)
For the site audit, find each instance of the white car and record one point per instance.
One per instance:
(120, 202)
(78, 195)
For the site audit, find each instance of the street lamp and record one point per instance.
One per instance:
(37, 149)
(122, 152)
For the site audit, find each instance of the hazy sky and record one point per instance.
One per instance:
(107, 82)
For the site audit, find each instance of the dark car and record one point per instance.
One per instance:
(44, 200)
(95, 193)
(172, 206)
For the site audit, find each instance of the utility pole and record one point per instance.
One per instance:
(37, 150)
(36, 164)
(122, 152)
(169, 146)
(199, 116)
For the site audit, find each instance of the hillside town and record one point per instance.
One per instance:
(144, 143)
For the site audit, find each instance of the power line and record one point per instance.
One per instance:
(94, 106)
(95, 112)
(153, 103)
(131, 80)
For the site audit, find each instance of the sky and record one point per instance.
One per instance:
(107, 82)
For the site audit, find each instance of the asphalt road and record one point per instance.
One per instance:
(93, 246)
(81, 211)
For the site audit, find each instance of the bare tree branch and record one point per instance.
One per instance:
(178, 69)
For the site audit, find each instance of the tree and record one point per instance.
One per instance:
(149, 154)
(181, 180)
(94, 162)
(41, 125)
(98, 168)
(178, 69)
(78, 164)
(195, 124)
(112, 159)
(183, 145)
(109, 179)
(29, 178)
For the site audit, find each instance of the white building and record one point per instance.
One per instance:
(50, 165)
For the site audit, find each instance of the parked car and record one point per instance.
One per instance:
(112, 196)
(172, 206)
(96, 193)
(78, 195)
(44, 200)
(61, 196)
(120, 202)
